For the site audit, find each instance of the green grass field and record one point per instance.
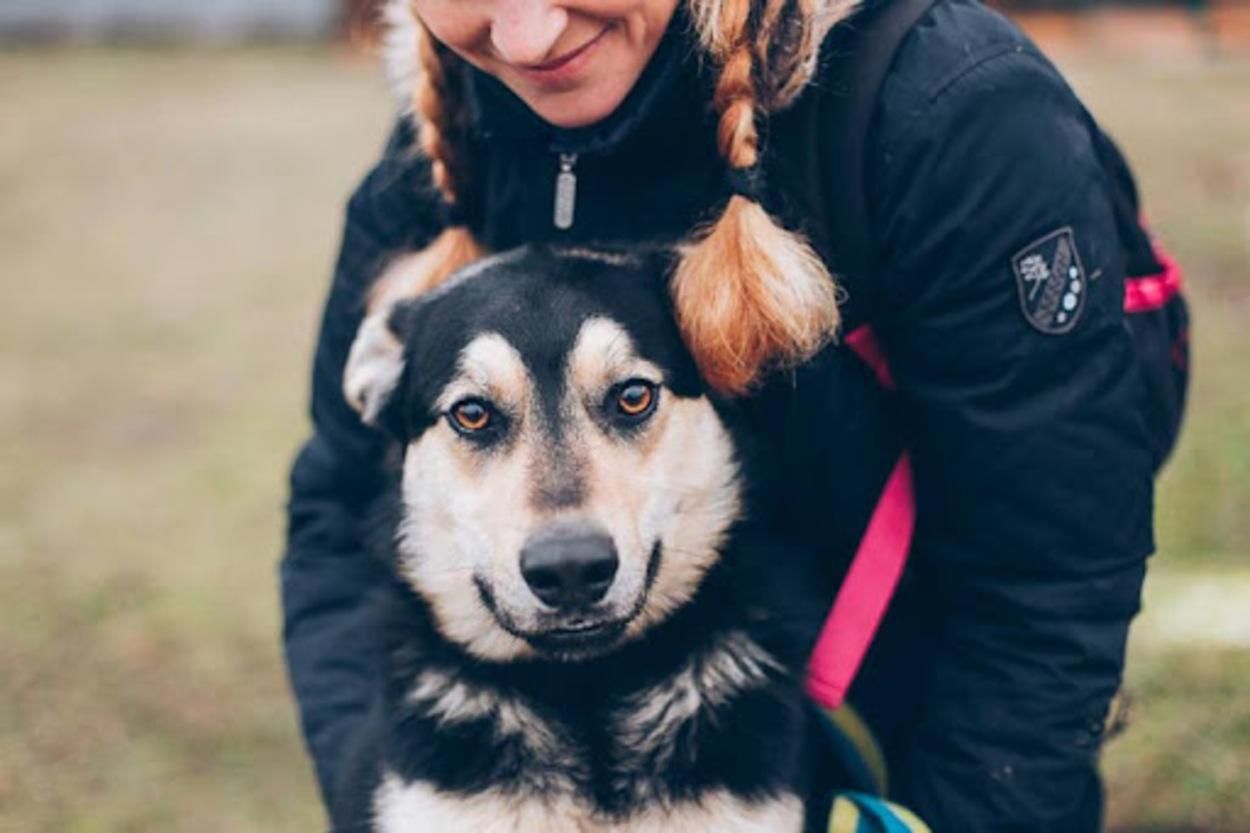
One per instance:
(168, 221)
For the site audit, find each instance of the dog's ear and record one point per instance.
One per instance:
(660, 261)
(375, 364)
(375, 367)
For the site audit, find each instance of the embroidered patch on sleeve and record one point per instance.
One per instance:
(1052, 282)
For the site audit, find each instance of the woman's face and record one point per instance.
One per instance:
(572, 61)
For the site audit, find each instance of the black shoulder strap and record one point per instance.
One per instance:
(863, 67)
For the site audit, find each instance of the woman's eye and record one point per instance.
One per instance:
(471, 416)
(636, 400)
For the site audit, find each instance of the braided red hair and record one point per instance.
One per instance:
(749, 295)
(439, 106)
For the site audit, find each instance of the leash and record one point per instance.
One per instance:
(850, 627)
(865, 594)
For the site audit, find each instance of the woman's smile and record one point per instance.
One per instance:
(567, 69)
(571, 61)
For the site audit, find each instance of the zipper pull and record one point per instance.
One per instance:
(566, 192)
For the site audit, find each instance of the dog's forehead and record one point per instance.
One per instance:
(539, 299)
(541, 303)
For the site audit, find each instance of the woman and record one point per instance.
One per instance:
(642, 120)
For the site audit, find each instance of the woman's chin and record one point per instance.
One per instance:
(578, 106)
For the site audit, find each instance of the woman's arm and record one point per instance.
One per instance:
(326, 572)
(1032, 462)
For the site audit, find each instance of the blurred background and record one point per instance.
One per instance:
(172, 177)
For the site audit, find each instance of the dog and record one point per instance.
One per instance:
(588, 630)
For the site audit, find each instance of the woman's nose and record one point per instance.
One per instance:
(525, 31)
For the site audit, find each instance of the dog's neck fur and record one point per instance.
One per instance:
(662, 710)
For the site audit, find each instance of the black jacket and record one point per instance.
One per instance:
(991, 680)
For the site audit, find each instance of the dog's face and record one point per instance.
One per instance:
(566, 482)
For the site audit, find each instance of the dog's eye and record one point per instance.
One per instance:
(636, 400)
(471, 416)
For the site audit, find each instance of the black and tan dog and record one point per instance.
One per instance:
(586, 635)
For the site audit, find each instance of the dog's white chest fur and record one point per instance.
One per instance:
(420, 808)
(646, 729)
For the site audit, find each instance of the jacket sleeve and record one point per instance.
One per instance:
(1032, 462)
(326, 571)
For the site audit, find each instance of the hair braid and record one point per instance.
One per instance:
(439, 105)
(438, 101)
(784, 42)
(749, 295)
(734, 100)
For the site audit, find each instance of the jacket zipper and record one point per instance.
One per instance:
(566, 192)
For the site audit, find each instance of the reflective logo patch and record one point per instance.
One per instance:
(1052, 282)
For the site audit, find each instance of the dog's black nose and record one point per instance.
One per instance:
(569, 567)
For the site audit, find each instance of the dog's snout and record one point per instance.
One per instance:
(569, 567)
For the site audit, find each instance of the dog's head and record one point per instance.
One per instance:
(566, 481)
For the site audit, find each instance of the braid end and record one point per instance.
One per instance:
(752, 297)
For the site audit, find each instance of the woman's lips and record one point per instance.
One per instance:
(567, 65)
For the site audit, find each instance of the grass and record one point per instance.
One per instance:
(1181, 765)
(1186, 127)
(168, 220)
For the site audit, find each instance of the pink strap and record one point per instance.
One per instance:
(878, 564)
(875, 571)
(1154, 291)
(863, 340)
(866, 592)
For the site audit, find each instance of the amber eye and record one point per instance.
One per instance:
(635, 399)
(471, 416)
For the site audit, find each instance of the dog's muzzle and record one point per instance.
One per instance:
(569, 566)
